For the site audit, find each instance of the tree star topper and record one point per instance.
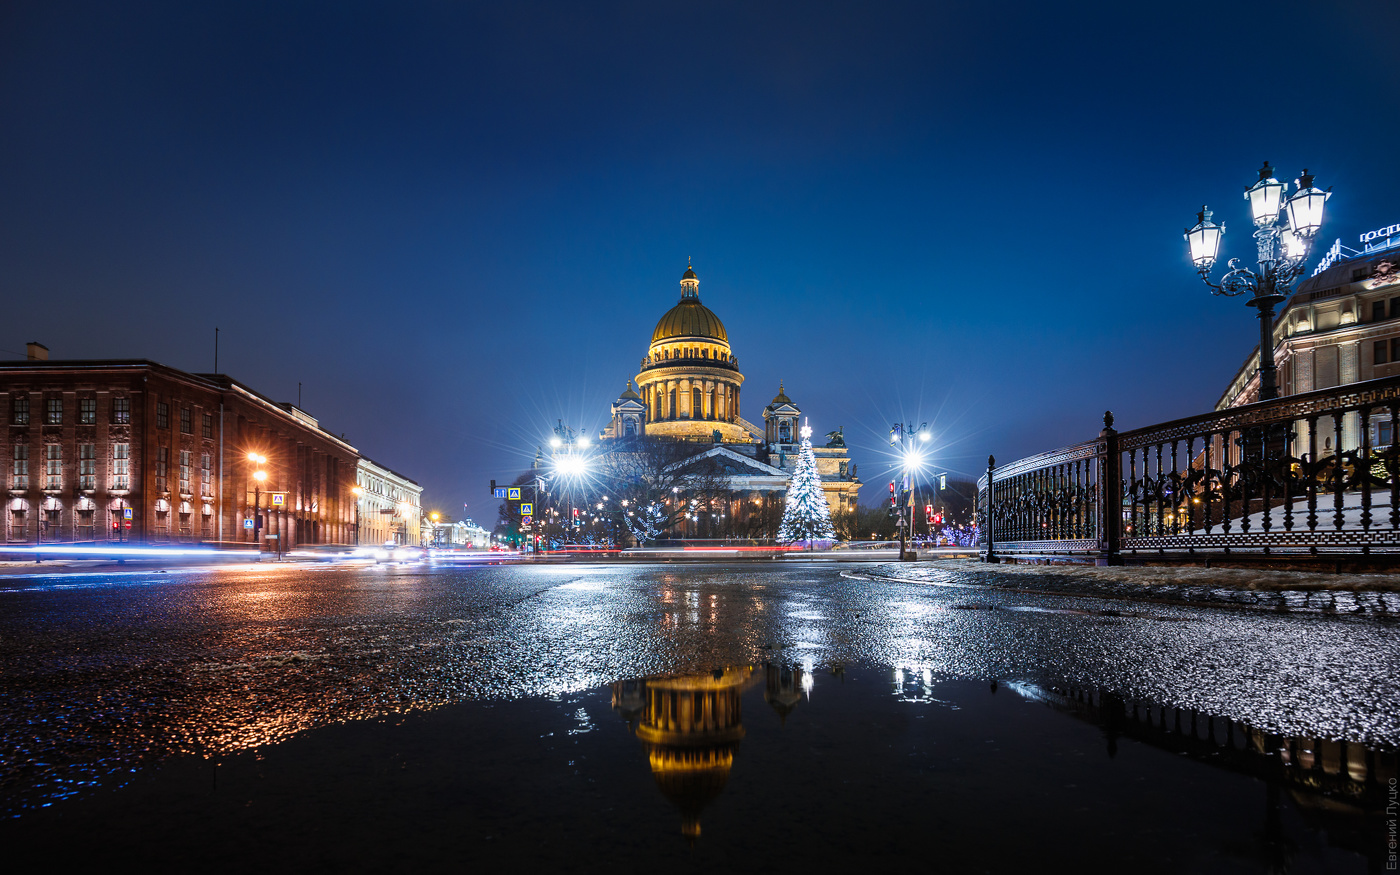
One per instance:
(806, 430)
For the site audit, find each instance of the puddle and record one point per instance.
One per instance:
(751, 767)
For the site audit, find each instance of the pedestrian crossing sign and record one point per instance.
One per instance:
(513, 493)
(527, 508)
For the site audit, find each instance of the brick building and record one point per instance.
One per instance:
(135, 450)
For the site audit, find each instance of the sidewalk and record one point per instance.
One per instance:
(1359, 594)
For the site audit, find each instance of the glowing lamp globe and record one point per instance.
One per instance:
(1204, 240)
(1265, 197)
(1305, 207)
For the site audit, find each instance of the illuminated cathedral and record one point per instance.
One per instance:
(689, 389)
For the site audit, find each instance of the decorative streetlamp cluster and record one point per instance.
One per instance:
(1284, 231)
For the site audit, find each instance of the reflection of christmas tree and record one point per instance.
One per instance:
(806, 515)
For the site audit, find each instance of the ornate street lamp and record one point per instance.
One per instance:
(1284, 231)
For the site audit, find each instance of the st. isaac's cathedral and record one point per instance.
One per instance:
(689, 390)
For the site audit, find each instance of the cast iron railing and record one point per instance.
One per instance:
(1314, 472)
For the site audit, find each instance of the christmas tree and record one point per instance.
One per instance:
(806, 515)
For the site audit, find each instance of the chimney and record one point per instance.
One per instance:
(37, 351)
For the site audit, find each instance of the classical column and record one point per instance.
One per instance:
(683, 398)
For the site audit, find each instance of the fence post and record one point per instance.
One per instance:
(1110, 496)
(991, 511)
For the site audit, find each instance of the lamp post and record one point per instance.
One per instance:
(358, 491)
(570, 464)
(259, 476)
(908, 438)
(1283, 235)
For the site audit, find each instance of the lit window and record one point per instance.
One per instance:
(1385, 433)
(53, 411)
(53, 466)
(206, 478)
(87, 411)
(162, 469)
(19, 474)
(121, 410)
(121, 466)
(19, 414)
(185, 472)
(87, 466)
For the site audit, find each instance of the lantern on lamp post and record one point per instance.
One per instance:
(1285, 226)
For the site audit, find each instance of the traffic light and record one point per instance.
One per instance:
(493, 487)
(892, 496)
(928, 513)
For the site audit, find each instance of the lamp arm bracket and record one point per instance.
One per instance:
(1236, 282)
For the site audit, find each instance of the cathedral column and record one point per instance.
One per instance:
(707, 398)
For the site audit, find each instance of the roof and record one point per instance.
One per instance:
(690, 318)
(781, 397)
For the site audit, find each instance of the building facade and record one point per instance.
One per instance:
(390, 506)
(1341, 326)
(134, 450)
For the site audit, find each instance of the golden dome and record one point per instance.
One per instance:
(690, 318)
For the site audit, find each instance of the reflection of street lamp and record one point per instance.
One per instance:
(1284, 230)
(358, 491)
(435, 516)
(258, 477)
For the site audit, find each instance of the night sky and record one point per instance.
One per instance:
(455, 223)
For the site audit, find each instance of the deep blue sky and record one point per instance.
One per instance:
(456, 223)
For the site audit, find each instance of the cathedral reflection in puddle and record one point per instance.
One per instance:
(691, 726)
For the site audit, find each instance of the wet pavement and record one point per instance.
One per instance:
(702, 717)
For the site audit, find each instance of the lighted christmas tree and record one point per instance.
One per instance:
(806, 515)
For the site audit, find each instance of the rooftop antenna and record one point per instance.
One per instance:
(299, 407)
(216, 350)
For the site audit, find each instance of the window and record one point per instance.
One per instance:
(87, 411)
(209, 425)
(87, 466)
(162, 469)
(1378, 352)
(53, 411)
(121, 410)
(162, 415)
(1385, 433)
(185, 472)
(19, 474)
(186, 418)
(206, 475)
(629, 427)
(121, 466)
(1395, 349)
(1394, 308)
(53, 466)
(19, 414)
(1360, 273)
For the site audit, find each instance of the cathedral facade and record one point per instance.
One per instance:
(689, 390)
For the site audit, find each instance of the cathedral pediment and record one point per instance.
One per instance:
(731, 464)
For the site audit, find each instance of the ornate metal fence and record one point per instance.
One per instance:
(1316, 472)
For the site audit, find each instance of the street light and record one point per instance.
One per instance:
(1284, 231)
(904, 434)
(358, 491)
(258, 477)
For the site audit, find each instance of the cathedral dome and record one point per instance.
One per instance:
(690, 318)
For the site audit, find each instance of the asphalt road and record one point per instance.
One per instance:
(101, 674)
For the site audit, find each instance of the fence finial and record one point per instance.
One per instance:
(1108, 419)
(991, 461)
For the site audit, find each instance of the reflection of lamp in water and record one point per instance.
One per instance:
(782, 688)
(691, 727)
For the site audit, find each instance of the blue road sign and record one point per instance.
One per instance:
(500, 492)
(247, 524)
